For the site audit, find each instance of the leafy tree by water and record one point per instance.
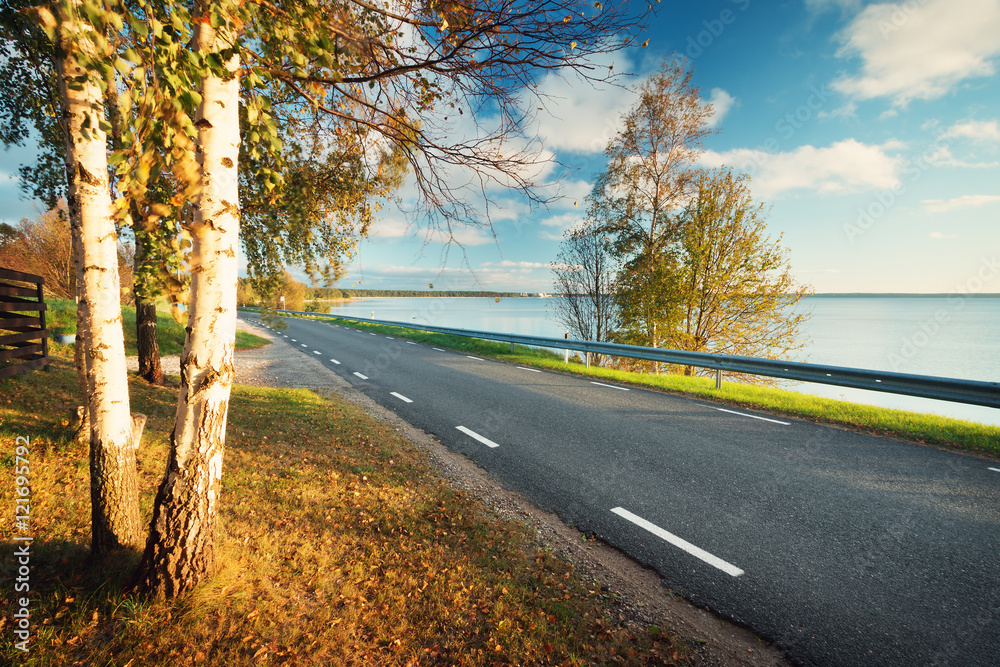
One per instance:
(698, 271)
(636, 198)
(585, 272)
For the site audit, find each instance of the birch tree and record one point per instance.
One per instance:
(30, 105)
(114, 435)
(647, 181)
(370, 71)
(179, 551)
(585, 280)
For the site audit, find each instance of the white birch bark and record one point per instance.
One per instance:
(114, 499)
(179, 552)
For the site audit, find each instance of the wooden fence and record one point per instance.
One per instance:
(24, 340)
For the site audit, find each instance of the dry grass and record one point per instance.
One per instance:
(339, 546)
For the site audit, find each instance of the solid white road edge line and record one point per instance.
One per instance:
(533, 370)
(363, 377)
(994, 469)
(473, 434)
(476, 358)
(438, 349)
(743, 414)
(335, 361)
(410, 342)
(401, 397)
(609, 386)
(680, 543)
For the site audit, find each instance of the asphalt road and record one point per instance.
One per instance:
(842, 548)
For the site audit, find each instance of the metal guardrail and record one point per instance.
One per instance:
(24, 339)
(973, 392)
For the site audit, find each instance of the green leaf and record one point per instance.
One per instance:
(139, 26)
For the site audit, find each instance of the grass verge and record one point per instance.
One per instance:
(338, 546)
(913, 426)
(61, 317)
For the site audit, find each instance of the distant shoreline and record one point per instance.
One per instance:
(419, 294)
(903, 295)
(431, 294)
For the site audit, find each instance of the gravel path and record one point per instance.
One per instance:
(641, 596)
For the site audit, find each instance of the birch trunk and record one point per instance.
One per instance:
(180, 549)
(113, 488)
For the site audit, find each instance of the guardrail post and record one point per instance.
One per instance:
(566, 356)
(588, 360)
(718, 378)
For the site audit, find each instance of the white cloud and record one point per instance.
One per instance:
(940, 155)
(572, 194)
(555, 226)
(721, 102)
(391, 228)
(564, 221)
(846, 166)
(939, 235)
(395, 227)
(979, 130)
(919, 50)
(508, 264)
(943, 205)
(579, 116)
(461, 235)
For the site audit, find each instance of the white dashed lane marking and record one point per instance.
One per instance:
(401, 397)
(743, 414)
(363, 377)
(335, 361)
(438, 349)
(476, 358)
(473, 434)
(609, 386)
(533, 370)
(317, 352)
(679, 542)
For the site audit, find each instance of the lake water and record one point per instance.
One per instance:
(953, 336)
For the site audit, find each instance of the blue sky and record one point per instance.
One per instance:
(871, 130)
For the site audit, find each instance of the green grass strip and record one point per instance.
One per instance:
(60, 317)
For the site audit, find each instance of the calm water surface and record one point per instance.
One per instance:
(944, 336)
